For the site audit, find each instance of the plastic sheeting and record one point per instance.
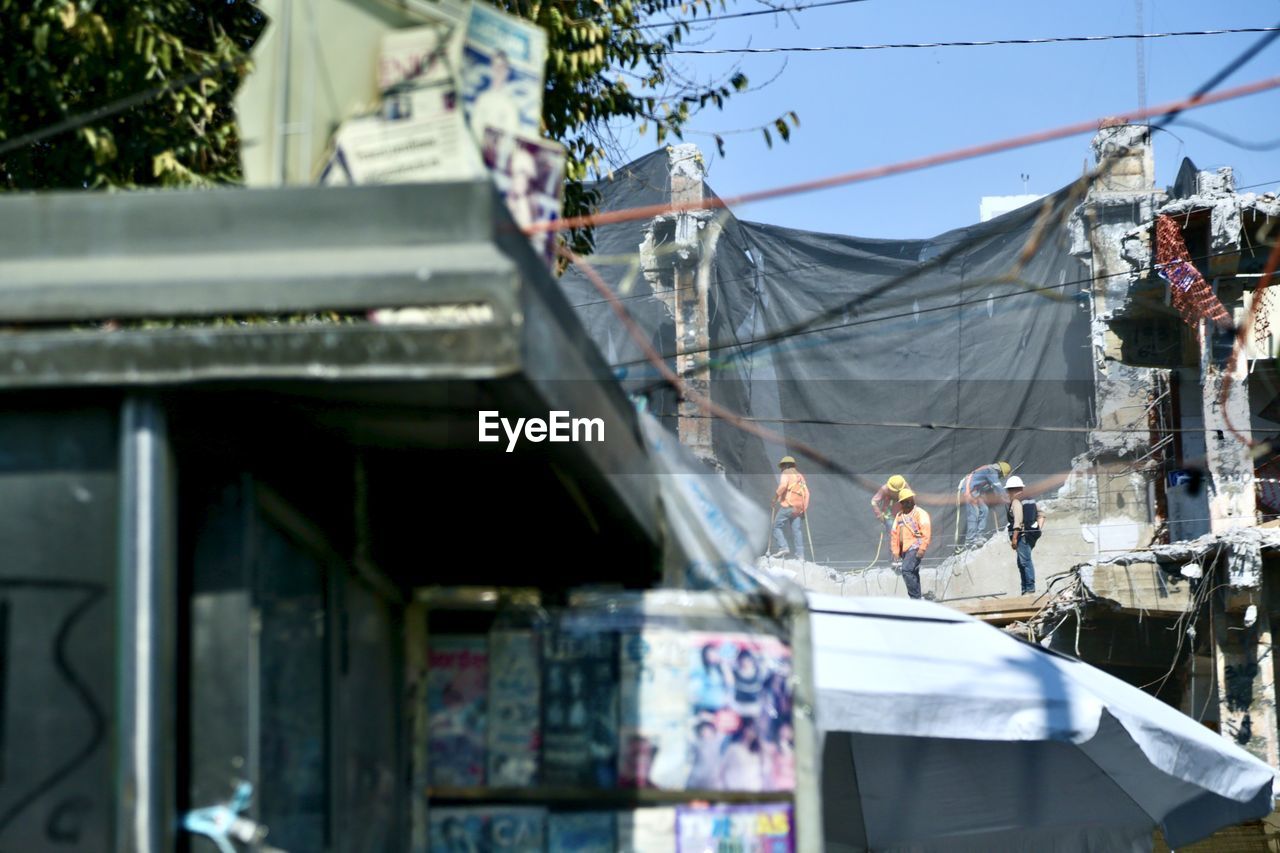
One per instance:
(962, 344)
(988, 743)
(713, 531)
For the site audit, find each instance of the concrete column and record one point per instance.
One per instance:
(1246, 674)
(1232, 496)
(1122, 198)
(677, 256)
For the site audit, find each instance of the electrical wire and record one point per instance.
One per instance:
(809, 330)
(695, 51)
(1167, 113)
(955, 155)
(778, 10)
(1269, 145)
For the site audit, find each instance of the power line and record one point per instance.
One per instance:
(811, 330)
(1269, 145)
(1166, 114)
(779, 10)
(967, 427)
(689, 51)
(648, 211)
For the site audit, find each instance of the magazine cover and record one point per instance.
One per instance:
(530, 175)
(504, 59)
(762, 828)
(653, 697)
(740, 717)
(580, 709)
(487, 829)
(514, 708)
(582, 832)
(457, 683)
(522, 829)
(647, 831)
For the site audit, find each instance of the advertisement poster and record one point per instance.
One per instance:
(582, 832)
(504, 61)
(485, 829)
(457, 684)
(530, 175)
(763, 828)
(705, 712)
(406, 147)
(740, 723)
(514, 708)
(647, 831)
(654, 724)
(580, 709)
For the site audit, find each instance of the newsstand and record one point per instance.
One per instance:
(266, 589)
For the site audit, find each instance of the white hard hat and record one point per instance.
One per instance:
(1015, 482)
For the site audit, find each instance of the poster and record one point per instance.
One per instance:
(504, 61)
(420, 57)
(580, 709)
(582, 832)
(756, 828)
(530, 175)
(457, 684)
(705, 711)
(420, 138)
(740, 731)
(654, 723)
(647, 831)
(487, 829)
(514, 708)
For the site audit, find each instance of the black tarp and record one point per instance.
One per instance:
(989, 336)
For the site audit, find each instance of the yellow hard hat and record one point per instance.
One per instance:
(896, 483)
(1004, 468)
(906, 493)
(787, 460)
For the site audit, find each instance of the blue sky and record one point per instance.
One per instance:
(861, 109)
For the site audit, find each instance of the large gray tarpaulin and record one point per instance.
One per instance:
(991, 337)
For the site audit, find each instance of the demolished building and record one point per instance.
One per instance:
(1140, 424)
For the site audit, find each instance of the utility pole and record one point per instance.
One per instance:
(677, 256)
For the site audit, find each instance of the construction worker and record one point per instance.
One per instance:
(791, 501)
(977, 490)
(884, 503)
(909, 540)
(1025, 523)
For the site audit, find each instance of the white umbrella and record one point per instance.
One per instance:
(942, 733)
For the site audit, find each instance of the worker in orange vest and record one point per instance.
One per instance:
(884, 503)
(912, 531)
(791, 500)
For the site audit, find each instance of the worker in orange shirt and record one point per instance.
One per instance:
(912, 531)
(884, 503)
(792, 501)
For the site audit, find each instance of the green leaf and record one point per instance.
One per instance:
(768, 138)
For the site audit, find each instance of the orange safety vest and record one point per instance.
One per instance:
(918, 531)
(795, 491)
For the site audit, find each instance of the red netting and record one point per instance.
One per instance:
(1192, 295)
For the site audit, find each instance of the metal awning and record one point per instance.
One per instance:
(194, 283)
